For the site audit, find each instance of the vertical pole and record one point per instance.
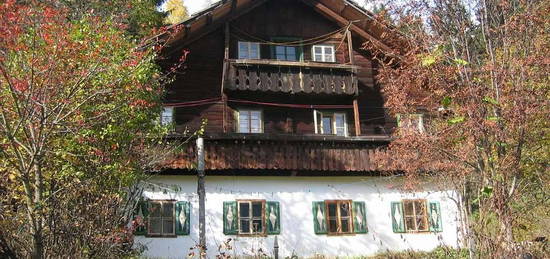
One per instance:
(276, 248)
(224, 75)
(201, 192)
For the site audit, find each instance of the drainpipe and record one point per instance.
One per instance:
(201, 192)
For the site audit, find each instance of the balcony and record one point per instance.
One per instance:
(291, 77)
(261, 152)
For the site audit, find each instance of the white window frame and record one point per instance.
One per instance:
(319, 125)
(323, 53)
(248, 54)
(251, 218)
(420, 122)
(249, 111)
(167, 116)
(162, 218)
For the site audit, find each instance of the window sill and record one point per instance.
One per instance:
(161, 236)
(417, 232)
(341, 234)
(252, 235)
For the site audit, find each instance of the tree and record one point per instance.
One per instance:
(78, 104)
(479, 71)
(140, 17)
(176, 12)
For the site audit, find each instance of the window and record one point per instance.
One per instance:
(413, 122)
(416, 215)
(287, 53)
(323, 53)
(339, 217)
(251, 217)
(335, 217)
(161, 218)
(250, 121)
(167, 116)
(330, 123)
(249, 50)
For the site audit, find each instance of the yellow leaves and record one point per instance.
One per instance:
(428, 60)
(177, 12)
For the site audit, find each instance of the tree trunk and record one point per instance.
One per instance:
(37, 229)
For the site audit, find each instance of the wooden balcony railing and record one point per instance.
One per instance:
(291, 77)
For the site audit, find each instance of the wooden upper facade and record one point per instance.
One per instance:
(289, 74)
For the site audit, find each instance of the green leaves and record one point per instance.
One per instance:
(446, 102)
(457, 120)
(460, 61)
(490, 100)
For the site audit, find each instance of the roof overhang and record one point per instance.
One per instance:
(342, 12)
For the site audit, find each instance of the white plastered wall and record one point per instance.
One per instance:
(296, 195)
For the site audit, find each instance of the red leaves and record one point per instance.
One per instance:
(20, 85)
(140, 103)
(50, 12)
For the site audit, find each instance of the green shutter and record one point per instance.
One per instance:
(319, 217)
(182, 218)
(397, 217)
(359, 217)
(435, 216)
(140, 216)
(273, 218)
(230, 218)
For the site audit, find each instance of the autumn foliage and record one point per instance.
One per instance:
(478, 71)
(78, 105)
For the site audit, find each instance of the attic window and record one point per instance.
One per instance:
(249, 50)
(323, 53)
(291, 52)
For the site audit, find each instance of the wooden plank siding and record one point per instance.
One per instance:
(279, 155)
(201, 78)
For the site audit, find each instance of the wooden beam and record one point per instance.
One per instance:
(321, 8)
(306, 64)
(356, 117)
(227, 36)
(209, 18)
(233, 5)
(215, 25)
(343, 8)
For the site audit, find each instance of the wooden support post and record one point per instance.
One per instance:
(202, 193)
(227, 36)
(356, 117)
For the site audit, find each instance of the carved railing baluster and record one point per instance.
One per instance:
(291, 79)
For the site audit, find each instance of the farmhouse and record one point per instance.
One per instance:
(294, 116)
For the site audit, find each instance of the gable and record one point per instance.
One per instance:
(336, 12)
